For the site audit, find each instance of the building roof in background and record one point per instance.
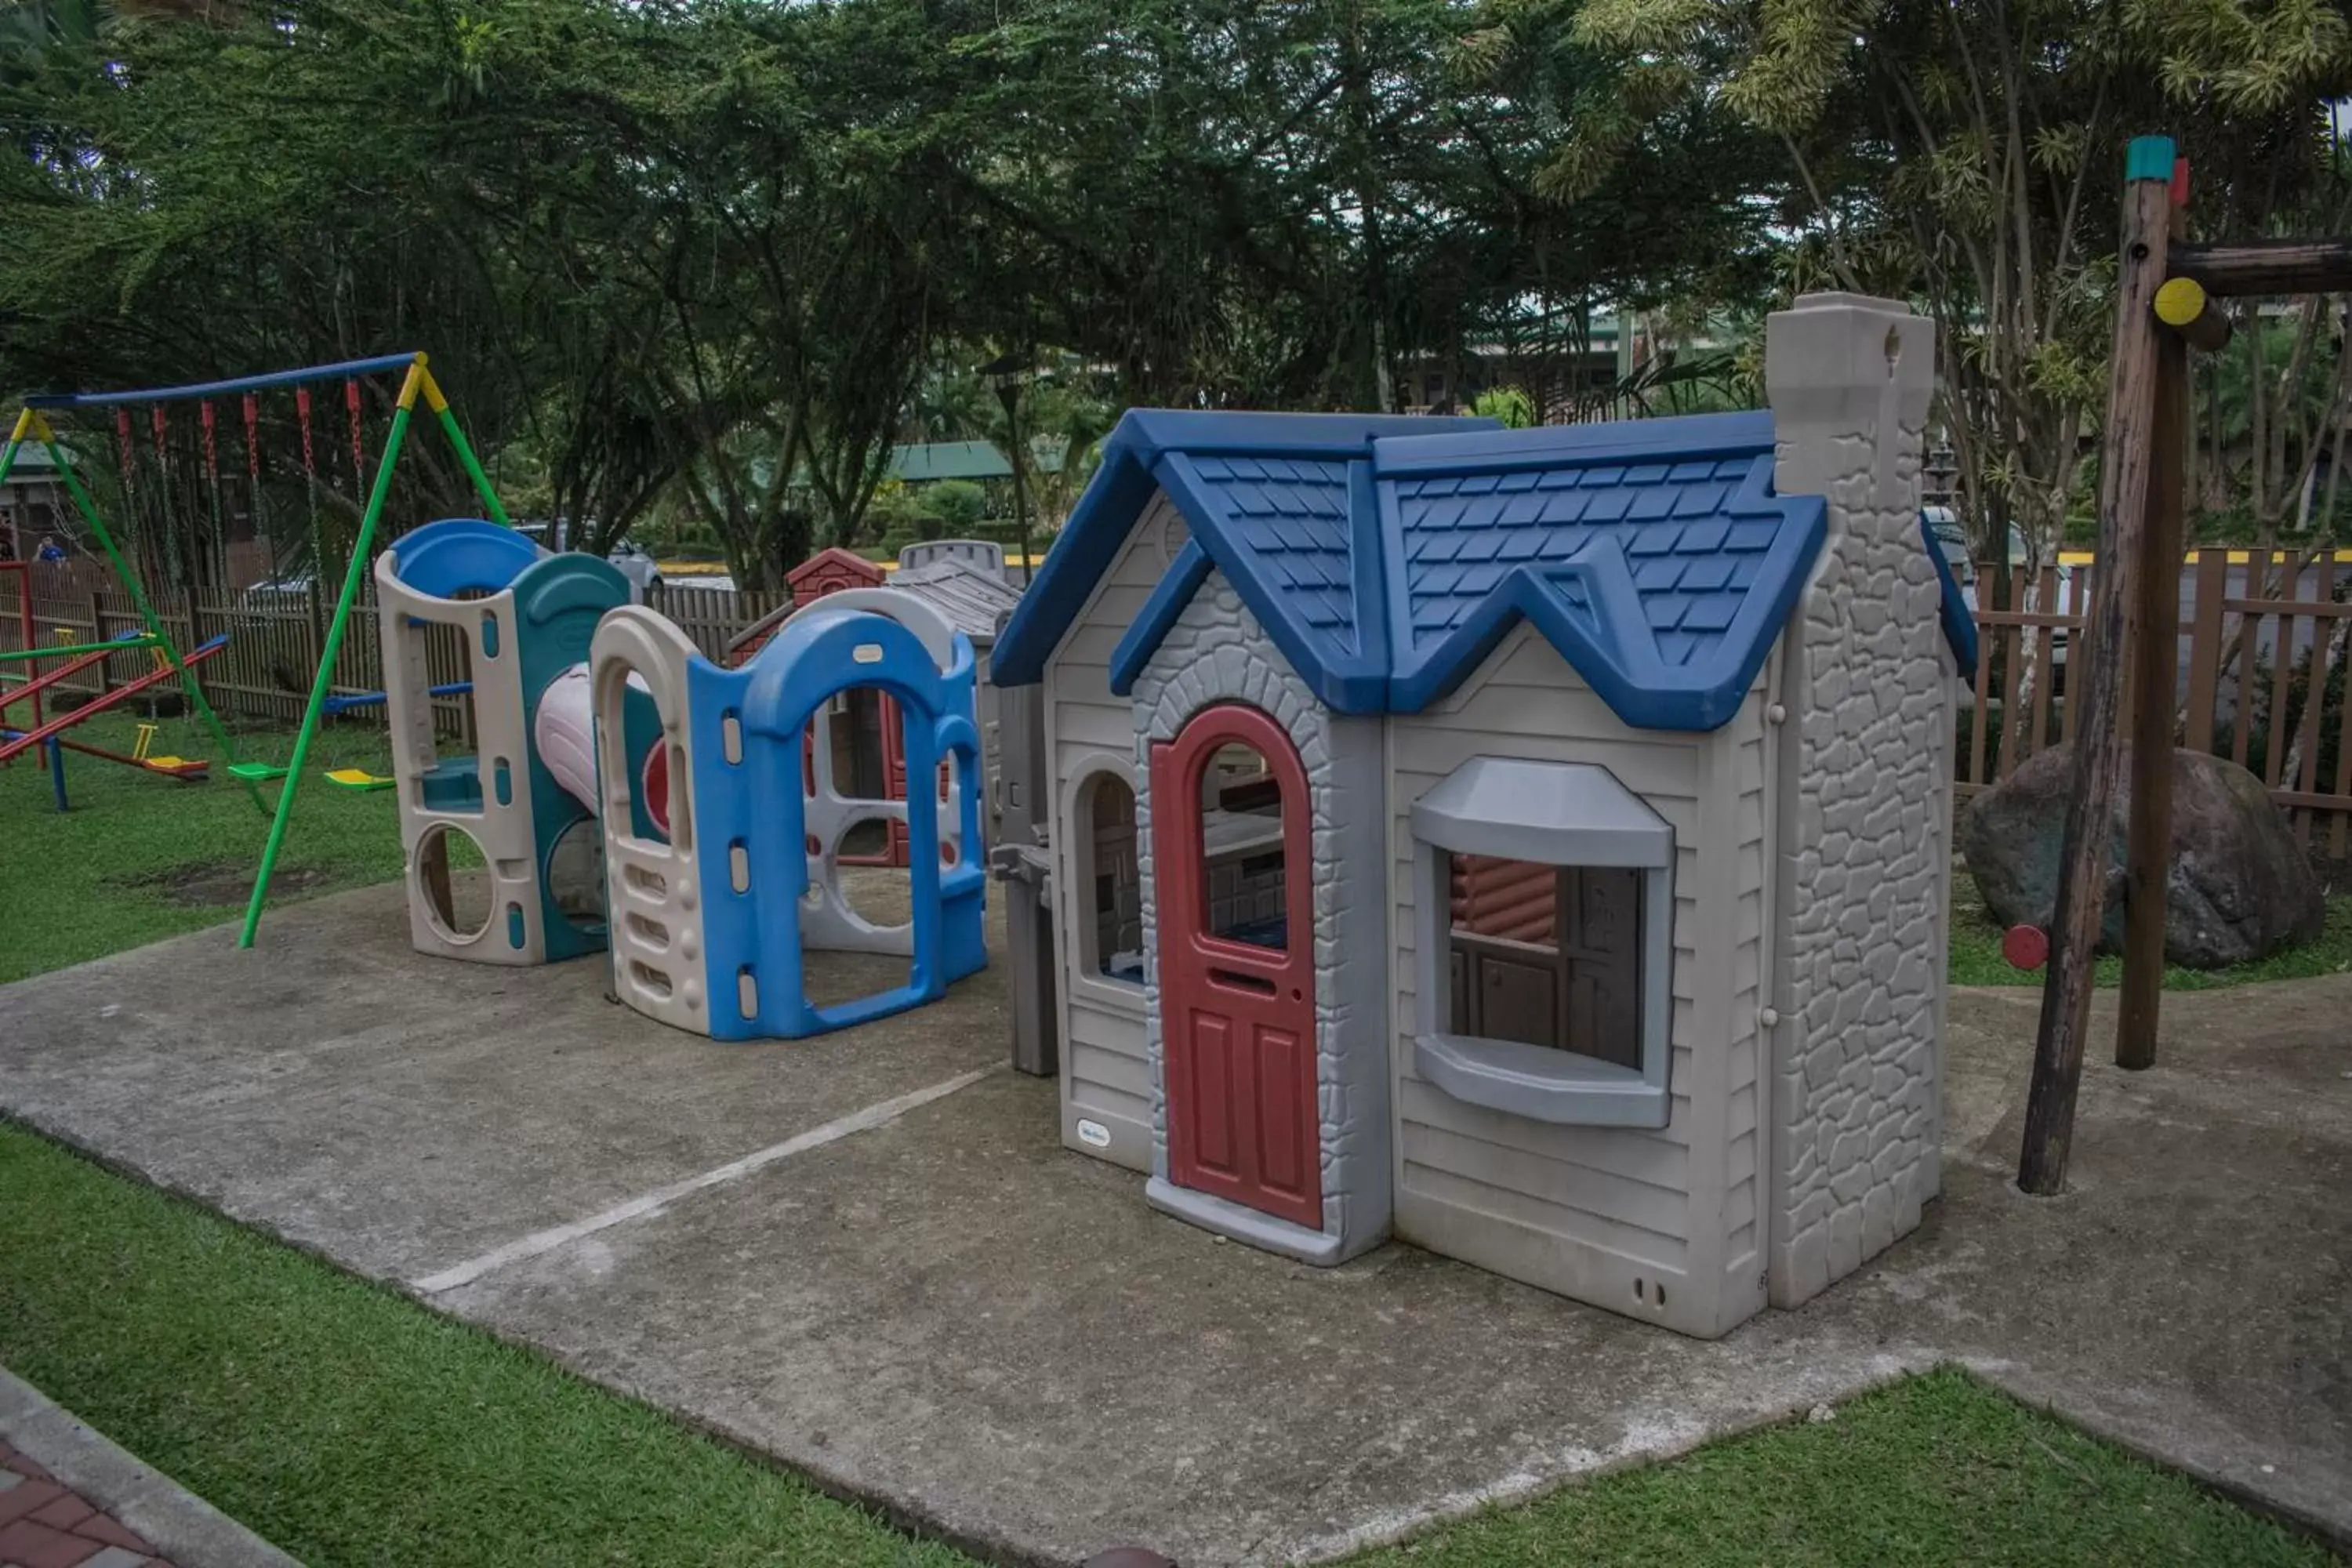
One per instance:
(936, 461)
(33, 461)
(1387, 557)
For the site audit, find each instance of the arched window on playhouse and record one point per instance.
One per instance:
(1105, 878)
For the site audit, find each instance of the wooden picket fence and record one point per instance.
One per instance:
(2236, 616)
(275, 639)
(2236, 696)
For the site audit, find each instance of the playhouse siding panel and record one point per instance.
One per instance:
(1745, 740)
(1106, 1070)
(1587, 1210)
(1654, 1161)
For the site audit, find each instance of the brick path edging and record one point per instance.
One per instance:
(176, 1523)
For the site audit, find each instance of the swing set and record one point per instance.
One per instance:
(163, 549)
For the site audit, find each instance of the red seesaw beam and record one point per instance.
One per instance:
(42, 683)
(32, 738)
(187, 773)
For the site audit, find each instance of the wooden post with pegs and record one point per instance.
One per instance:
(2124, 464)
(2147, 861)
(2190, 320)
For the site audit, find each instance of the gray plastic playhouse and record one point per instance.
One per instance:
(1530, 844)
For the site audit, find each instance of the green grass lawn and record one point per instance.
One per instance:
(140, 858)
(354, 1427)
(1977, 960)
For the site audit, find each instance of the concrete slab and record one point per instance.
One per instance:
(403, 1113)
(935, 1306)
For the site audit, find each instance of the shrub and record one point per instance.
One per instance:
(1508, 404)
(957, 505)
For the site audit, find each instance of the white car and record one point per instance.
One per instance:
(641, 570)
(278, 593)
(1944, 523)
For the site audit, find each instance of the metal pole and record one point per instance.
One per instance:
(16, 439)
(57, 772)
(353, 573)
(440, 406)
(89, 510)
(1011, 394)
(67, 650)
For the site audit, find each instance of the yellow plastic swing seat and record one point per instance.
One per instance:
(360, 778)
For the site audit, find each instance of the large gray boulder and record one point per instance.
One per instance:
(2239, 887)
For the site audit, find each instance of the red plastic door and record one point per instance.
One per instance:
(1237, 1009)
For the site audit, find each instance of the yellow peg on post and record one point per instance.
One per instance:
(2183, 304)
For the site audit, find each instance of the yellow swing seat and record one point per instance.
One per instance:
(359, 779)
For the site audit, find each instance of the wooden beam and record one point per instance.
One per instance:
(2147, 864)
(2183, 305)
(2267, 267)
(2125, 451)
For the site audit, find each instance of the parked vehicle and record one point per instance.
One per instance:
(641, 569)
(290, 591)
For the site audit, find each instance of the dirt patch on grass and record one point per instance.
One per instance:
(220, 884)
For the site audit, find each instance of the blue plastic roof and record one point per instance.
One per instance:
(1959, 620)
(461, 555)
(1388, 556)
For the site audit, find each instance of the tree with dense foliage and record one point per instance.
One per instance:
(718, 256)
(1964, 156)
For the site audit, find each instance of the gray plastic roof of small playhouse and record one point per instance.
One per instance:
(972, 599)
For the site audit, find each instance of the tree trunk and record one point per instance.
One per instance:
(2214, 471)
(1357, 92)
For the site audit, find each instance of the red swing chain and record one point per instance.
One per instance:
(164, 540)
(359, 458)
(320, 564)
(142, 541)
(212, 489)
(258, 528)
(310, 459)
